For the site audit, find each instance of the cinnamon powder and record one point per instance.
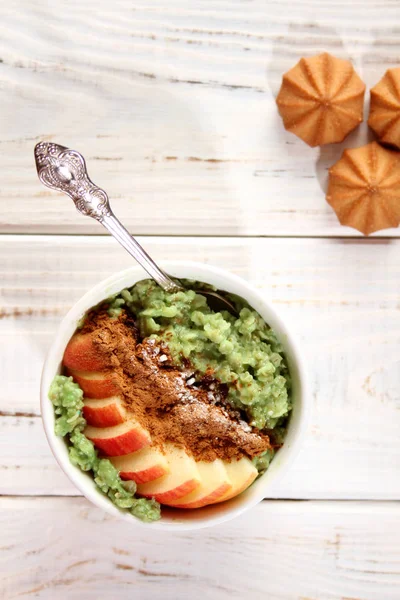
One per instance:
(163, 398)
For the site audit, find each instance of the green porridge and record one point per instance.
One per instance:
(67, 399)
(241, 352)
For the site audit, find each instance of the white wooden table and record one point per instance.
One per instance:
(172, 103)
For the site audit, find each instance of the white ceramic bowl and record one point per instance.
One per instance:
(217, 513)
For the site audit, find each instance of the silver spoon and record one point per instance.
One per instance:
(64, 170)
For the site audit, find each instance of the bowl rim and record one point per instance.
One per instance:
(217, 513)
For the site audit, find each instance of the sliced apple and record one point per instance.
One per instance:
(142, 466)
(214, 484)
(104, 412)
(242, 473)
(120, 439)
(95, 384)
(82, 355)
(182, 479)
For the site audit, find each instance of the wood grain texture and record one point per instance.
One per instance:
(278, 551)
(173, 106)
(341, 298)
(172, 103)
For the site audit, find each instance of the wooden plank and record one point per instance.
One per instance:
(339, 297)
(173, 106)
(279, 551)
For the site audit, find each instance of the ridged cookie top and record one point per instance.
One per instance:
(321, 99)
(364, 188)
(384, 116)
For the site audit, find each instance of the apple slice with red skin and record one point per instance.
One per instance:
(95, 384)
(175, 480)
(81, 354)
(104, 412)
(119, 439)
(142, 466)
(241, 473)
(214, 484)
(182, 479)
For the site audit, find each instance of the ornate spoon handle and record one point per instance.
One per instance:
(123, 236)
(65, 171)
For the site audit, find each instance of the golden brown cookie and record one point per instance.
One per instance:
(384, 114)
(321, 99)
(364, 188)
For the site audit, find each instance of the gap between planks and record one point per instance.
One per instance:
(321, 502)
(342, 238)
